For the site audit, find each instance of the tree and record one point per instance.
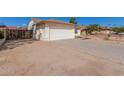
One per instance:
(115, 29)
(73, 20)
(93, 27)
(118, 30)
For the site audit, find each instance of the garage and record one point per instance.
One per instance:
(61, 31)
(49, 30)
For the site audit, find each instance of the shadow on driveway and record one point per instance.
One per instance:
(11, 44)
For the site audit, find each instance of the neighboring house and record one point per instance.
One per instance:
(106, 30)
(51, 29)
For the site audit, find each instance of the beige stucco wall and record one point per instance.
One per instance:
(105, 31)
(39, 33)
(42, 32)
(78, 33)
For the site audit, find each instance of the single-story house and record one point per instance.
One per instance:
(106, 30)
(51, 29)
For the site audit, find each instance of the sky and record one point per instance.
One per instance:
(104, 21)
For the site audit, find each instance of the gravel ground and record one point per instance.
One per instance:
(27, 57)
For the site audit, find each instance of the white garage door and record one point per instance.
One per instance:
(59, 33)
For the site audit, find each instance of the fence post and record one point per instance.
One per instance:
(5, 34)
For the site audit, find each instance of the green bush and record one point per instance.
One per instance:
(93, 28)
(1, 34)
(118, 29)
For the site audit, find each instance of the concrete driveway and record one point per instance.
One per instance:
(109, 50)
(66, 57)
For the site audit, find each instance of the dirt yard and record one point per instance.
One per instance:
(27, 57)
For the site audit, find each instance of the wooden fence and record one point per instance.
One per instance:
(2, 41)
(13, 34)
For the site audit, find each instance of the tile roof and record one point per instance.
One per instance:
(38, 21)
(57, 21)
(8, 27)
(106, 28)
(14, 28)
(11, 27)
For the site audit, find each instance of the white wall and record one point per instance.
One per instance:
(47, 33)
(30, 25)
(78, 33)
(42, 33)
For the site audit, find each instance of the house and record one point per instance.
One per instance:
(51, 29)
(106, 30)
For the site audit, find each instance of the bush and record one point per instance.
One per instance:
(93, 28)
(1, 34)
(118, 29)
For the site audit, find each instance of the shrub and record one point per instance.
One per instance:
(118, 29)
(1, 34)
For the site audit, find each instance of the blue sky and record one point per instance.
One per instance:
(105, 21)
